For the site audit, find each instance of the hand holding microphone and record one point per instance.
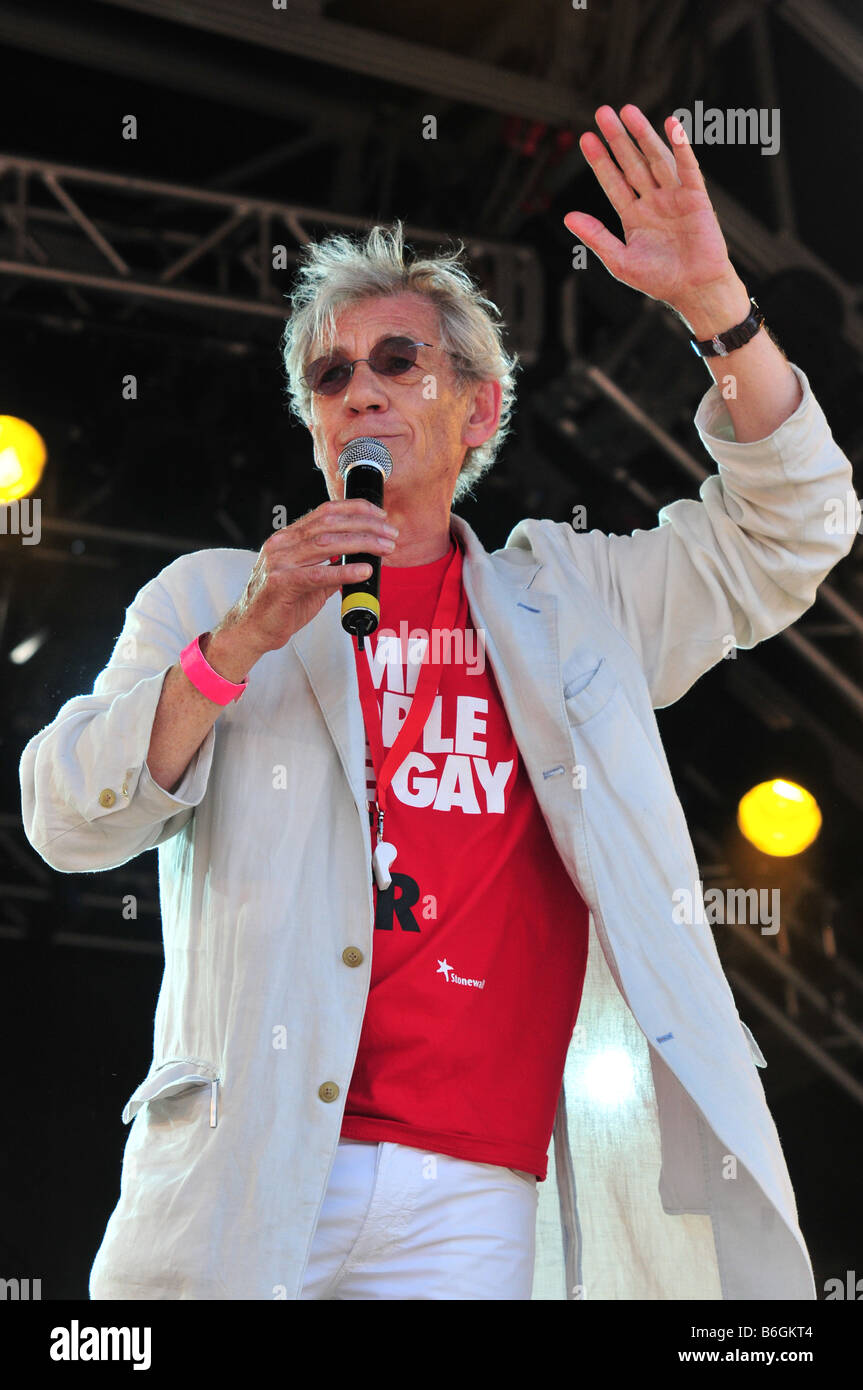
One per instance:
(292, 577)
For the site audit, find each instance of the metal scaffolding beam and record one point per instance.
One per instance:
(376, 55)
(238, 247)
(822, 27)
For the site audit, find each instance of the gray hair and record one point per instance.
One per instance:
(339, 271)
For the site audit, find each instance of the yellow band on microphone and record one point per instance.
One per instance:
(367, 601)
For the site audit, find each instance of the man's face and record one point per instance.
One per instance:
(424, 423)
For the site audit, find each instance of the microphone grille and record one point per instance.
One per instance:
(366, 450)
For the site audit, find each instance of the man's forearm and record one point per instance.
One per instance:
(763, 391)
(184, 716)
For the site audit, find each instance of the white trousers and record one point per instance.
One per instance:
(402, 1223)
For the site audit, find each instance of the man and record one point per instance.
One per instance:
(357, 1073)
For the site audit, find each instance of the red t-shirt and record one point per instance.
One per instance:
(480, 943)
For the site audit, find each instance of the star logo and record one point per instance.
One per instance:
(443, 968)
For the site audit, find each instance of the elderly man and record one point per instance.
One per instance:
(356, 1077)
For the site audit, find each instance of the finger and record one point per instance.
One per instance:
(351, 542)
(654, 150)
(598, 239)
(336, 511)
(322, 547)
(346, 505)
(348, 523)
(626, 152)
(611, 180)
(351, 520)
(688, 170)
(323, 528)
(320, 573)
(337, 575)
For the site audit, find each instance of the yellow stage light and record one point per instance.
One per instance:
(779, 817)
(22, 458)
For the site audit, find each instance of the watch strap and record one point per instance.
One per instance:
(722, 343)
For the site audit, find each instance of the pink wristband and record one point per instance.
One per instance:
(205, 679)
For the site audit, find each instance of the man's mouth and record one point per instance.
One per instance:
(367, 435)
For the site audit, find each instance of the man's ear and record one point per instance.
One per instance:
(485, 416)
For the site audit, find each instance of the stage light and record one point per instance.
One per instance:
(22, 458)
(780, 818)
(29, 647)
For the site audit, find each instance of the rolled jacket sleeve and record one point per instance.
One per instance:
(88, 799)
(737, 566)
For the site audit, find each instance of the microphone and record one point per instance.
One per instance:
(364, 464)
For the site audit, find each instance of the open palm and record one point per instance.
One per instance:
(673, 245)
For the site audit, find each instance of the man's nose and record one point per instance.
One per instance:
(364, 389)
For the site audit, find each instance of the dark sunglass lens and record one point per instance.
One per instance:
(326, 375)
(394, 356)
(332, 378)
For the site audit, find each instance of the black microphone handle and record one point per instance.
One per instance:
(361, 599)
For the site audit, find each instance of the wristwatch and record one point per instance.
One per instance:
(723, 343)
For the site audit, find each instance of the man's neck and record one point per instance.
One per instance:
(415, 546)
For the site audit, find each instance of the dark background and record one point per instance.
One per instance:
(315, 115)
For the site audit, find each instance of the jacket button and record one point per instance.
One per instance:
(107, 797)
(352, 955)
(328, 1091)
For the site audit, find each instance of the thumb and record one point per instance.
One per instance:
(597, 238)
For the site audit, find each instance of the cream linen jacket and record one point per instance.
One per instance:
(265, 881)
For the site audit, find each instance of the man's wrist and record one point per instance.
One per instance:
(715, 308)
(229, 655)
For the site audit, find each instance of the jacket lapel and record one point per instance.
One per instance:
(518, 624)
(327, 654)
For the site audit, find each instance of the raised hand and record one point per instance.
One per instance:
(674, 249)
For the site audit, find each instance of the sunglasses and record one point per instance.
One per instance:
(390, 357)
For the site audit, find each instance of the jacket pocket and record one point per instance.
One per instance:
(757, 1055)
(172, 1079)
(587, 692)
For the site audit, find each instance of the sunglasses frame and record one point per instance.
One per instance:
(391, 338)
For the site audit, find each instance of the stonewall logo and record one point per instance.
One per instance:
(444, 968)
